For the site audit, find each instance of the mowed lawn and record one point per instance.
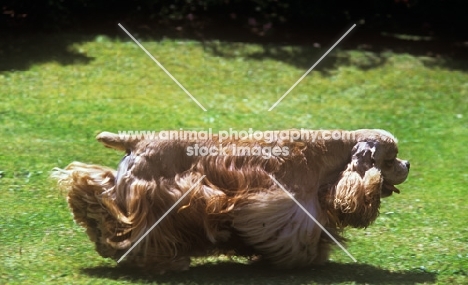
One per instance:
(51, 110)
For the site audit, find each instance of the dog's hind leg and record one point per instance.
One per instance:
(87, 187)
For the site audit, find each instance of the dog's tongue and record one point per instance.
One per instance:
(391, 188)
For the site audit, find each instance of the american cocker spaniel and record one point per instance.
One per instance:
(234, 206)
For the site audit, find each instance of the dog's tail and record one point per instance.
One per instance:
(119, 142)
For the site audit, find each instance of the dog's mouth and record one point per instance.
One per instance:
(388, 189)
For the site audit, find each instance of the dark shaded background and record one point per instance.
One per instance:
(429, 17)
(432, 28)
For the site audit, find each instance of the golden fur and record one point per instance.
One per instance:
(236, 208)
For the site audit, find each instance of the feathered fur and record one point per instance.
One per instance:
(236, 208)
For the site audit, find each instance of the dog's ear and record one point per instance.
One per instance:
(357, 198)
(363, 156)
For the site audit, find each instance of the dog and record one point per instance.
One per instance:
(233, 204)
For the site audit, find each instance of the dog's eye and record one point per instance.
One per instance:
(389, 162)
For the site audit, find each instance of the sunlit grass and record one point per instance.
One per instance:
(50, 114)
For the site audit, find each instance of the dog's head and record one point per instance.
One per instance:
(380, 151)
(372, 174)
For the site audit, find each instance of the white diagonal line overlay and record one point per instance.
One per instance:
(312, 217)
(310, 69)
(162, 67)
(160, 219)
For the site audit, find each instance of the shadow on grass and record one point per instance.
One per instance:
(298, 47)
(235, 273)
(20, 52)
(302, 57)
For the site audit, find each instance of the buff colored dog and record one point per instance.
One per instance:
(234, 206)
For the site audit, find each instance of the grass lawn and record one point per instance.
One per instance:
(51, 110)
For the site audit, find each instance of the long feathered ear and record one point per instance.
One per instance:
(357, 199)
(363, 156)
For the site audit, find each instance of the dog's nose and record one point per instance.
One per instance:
(408, 164)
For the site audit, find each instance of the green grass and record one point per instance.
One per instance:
(50, 113)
